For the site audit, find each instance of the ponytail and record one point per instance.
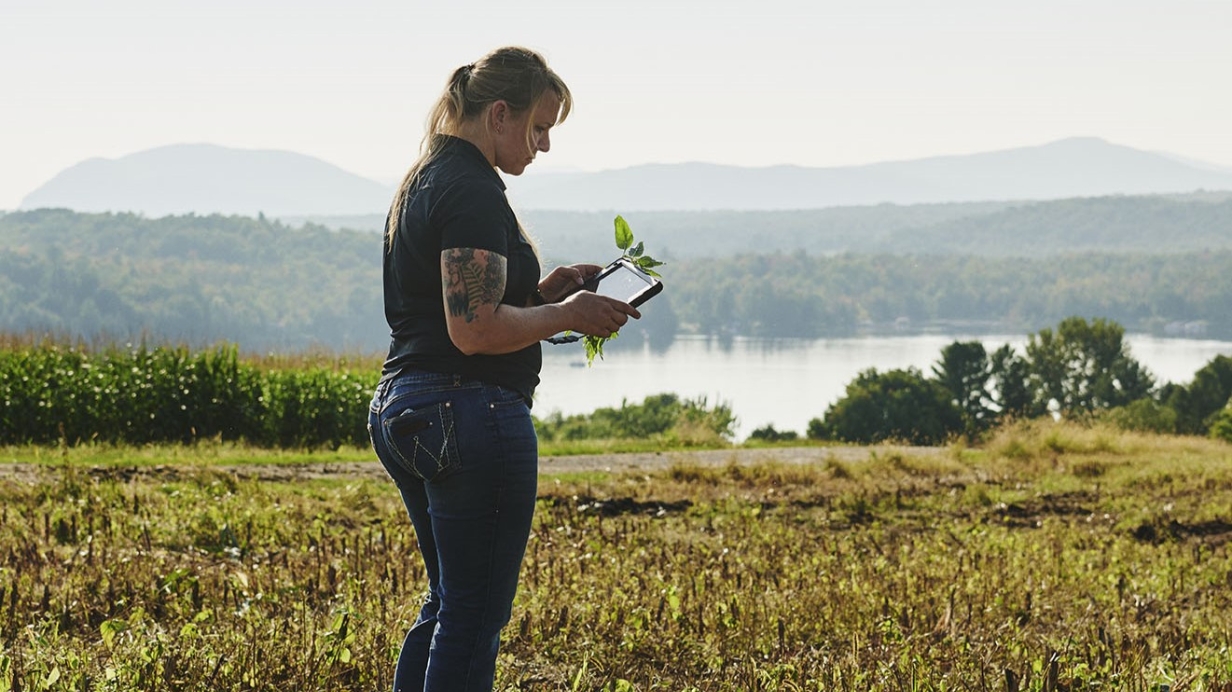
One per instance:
(517, 76)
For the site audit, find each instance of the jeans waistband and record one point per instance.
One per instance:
(410, 378)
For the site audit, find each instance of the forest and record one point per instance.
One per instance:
(266, 285)
(1147, 224)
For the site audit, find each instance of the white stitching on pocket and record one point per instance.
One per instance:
(408, 435)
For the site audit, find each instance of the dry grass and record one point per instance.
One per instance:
(1056, 557)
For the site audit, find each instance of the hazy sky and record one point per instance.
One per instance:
(815, 83)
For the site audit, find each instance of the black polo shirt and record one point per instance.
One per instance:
(458, 201)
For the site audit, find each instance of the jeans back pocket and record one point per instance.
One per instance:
(423, 440)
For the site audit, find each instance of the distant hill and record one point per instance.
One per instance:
(1077, 167)
(207, 179)
(204, 179)
(1150, 224)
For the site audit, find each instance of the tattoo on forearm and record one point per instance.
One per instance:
(471, 278)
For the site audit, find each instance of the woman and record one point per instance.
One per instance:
(450, 419)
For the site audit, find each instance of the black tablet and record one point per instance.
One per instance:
(626, 282)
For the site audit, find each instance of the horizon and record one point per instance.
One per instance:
(824, 86)
(182, 161)
(549, 169)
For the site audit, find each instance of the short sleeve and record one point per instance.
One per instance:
(474, 214)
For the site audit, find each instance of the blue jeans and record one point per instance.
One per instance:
(465, 457)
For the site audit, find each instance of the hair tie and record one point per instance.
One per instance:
(463, 75)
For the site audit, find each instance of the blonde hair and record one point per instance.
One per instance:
(518, 76)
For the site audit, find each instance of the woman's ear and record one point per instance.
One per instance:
(498, 113)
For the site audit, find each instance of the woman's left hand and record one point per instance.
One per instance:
(562, 281)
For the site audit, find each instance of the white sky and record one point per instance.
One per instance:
(815, 83)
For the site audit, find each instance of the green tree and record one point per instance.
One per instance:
(898, 405)
(1085, 366)
(964, 370)
(1199, 403)
(1012, 393)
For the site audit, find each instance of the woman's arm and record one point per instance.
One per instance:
(473, 282)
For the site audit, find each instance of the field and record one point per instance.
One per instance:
(1052, 557)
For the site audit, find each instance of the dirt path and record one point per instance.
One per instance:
(33, 473)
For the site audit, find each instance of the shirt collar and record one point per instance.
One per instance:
(460, 147)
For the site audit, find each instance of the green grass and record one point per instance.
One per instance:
(204, 453)
(1053, 557)
(220, 453)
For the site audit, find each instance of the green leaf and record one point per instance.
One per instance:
(624, 241)
(109, 629)
(594, 347)
(645, 264)
(624, 234)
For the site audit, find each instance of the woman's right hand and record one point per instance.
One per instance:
(596, 315)
(565, 280)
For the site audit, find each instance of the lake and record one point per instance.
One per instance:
(787, 382)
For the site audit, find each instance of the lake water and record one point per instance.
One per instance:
(787, 382)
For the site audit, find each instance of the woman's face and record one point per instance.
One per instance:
(513, 153)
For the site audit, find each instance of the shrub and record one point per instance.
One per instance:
(1221, 429)
(769, 434)
(898, 405)
(1143, 415)
(688, 421)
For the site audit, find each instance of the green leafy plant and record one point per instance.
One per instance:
(635, 254)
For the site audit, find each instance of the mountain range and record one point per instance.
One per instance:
(205, 178)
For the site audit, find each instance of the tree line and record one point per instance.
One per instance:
(194, 279)
(1145, 224)
(267, 286)
(1079, 370)
(783, 295)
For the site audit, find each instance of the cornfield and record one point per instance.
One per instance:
(57, 394)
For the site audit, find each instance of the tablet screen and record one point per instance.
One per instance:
(620, 280)
(623, 283)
